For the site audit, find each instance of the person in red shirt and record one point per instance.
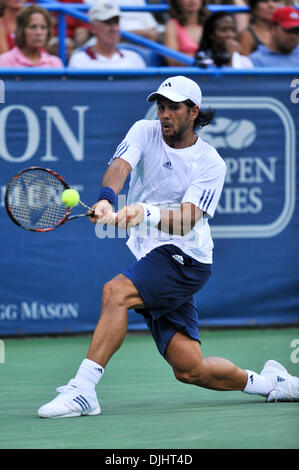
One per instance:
(77, 30)
(9, 10)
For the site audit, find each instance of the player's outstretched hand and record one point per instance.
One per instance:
(130, 216)
(103, 213)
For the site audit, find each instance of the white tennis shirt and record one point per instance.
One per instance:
(167, 177)
(121, 59)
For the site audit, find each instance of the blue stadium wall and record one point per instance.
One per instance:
(51, 282)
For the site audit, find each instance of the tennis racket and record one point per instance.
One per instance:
(33, 200)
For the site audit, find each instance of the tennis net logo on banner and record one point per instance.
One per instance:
(256, 137)
(257, 140)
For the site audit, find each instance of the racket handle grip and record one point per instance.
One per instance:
(113, 214)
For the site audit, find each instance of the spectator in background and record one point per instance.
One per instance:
(259, 31)
(33, 31)
(141, 23)
(242, 19)
(184, 29)
(219, 46)
(283, 50)
(53, 47)
(9, 10)
(76, 30)
(104, 17)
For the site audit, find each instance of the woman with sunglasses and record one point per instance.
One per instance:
(259, 30)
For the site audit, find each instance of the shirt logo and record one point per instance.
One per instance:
(167, 165)
(179, 259)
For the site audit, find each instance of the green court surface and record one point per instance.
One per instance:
(143, 406)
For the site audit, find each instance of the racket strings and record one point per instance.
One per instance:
(35, 200)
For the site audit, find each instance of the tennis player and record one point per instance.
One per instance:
(176, 181)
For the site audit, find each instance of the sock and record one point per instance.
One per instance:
(257, 384)
(88, 375)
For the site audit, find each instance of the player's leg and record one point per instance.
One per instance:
(189, 366)
(79, 397)
(274, 382)
(119, 295)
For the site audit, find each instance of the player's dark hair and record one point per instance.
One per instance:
(204, 117)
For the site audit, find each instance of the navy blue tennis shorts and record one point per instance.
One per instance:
(167, 279)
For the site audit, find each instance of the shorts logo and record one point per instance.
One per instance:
(179, 259)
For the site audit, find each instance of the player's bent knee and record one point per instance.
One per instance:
(190, 376)
(184, 377)
(113, 293)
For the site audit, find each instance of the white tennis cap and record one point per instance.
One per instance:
(178, 89)
(103, 10)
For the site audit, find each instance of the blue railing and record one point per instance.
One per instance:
(78, 11)
(148, 71)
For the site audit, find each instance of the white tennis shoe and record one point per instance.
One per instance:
(285, 386)
(70, 402)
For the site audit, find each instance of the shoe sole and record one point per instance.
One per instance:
(94, 412)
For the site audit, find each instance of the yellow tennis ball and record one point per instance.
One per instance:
(70, 197)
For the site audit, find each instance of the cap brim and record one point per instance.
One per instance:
(170, 95)
(287, 25)
(105, 17)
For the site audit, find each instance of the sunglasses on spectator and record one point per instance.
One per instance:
(114, 20)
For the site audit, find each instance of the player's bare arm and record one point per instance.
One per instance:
(181, 221)
(175, 222)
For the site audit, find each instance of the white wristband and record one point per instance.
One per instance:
(152, 215)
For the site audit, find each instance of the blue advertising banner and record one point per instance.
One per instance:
(51, 282)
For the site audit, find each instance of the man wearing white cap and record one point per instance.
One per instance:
(176, 182)
(104, 18)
